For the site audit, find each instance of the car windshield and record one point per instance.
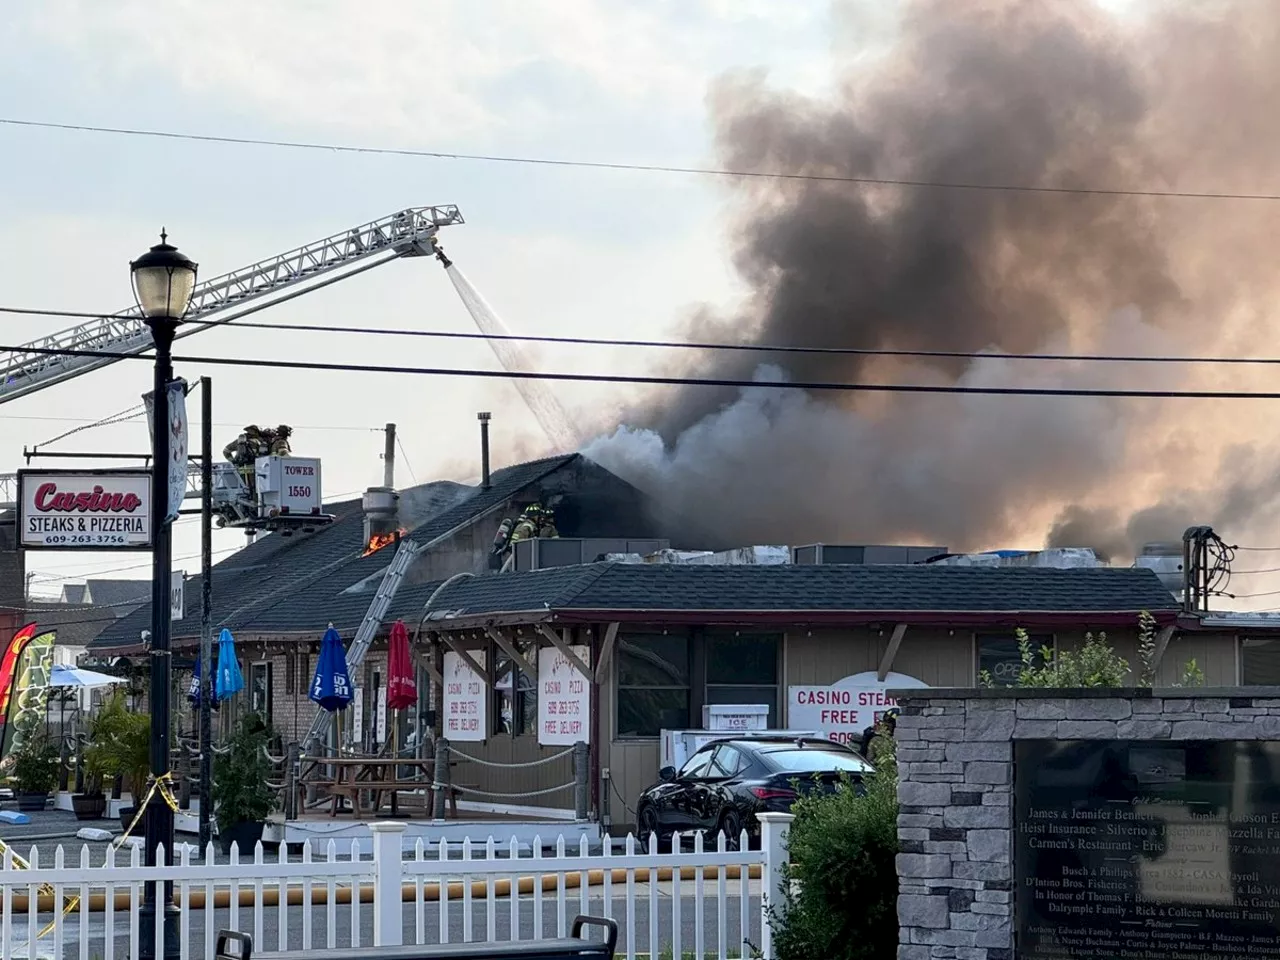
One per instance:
(816, 760)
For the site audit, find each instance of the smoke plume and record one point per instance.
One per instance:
(1062, 94)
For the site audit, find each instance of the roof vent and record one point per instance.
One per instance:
(381, 512)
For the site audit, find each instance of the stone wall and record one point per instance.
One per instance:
(955, 790)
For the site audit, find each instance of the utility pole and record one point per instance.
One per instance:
(206, 613)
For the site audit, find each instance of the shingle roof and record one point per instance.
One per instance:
(504, 484)
(116, 593)
(289, 584)
(873, 588)
(76, 626)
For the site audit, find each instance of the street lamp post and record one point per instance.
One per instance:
(163, 281)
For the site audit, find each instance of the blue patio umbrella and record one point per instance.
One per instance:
(331, 686)
(230, 681)
(193, 692)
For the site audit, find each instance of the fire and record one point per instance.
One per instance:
(380, 540)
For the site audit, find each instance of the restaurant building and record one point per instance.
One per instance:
(616, 631)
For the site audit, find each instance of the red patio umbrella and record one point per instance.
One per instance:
(402, 689)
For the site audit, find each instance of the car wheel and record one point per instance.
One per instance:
(731, 826)
(647, 825)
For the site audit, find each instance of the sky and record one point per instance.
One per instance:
(555, 251)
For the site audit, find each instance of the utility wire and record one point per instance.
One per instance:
(696, 345)
(404, 455)
(121, 417)
(816, 386)
(642, 167)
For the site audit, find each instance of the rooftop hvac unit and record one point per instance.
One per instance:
(826, 553)
(540, 553)
(1165, 558)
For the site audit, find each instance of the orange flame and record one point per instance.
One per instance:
(380, 540)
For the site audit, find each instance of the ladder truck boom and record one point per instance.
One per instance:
(410, 232)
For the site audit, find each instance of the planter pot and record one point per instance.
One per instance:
(31, 802)
(126, 818)
(89, 806)
(244, 835)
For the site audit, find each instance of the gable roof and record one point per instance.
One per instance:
(76, 625)
(847, 593)
(116, 593)
(73, 593)
(301, 583)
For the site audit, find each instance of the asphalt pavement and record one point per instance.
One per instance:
(266, 929)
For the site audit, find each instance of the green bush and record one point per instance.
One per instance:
(119, 744)
(240, 790)
(1095, 664)
(35, 764)
(842, 902)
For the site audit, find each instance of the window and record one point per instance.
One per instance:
(653, 684)
(743, 668)
(516, 703)
(999, 656)
(1259, 662)
(726, 762)
(811, 760)
(697, 767)
(260, 689)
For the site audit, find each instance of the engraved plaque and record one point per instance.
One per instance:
(1131, 850)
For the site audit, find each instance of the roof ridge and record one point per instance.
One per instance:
(581, 583)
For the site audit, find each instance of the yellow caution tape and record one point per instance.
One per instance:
(162, 785)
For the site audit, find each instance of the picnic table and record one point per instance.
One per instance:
(355, 777)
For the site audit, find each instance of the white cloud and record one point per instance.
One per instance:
(439, 71)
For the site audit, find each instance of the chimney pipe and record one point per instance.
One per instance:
(389, 458)
(484, 418)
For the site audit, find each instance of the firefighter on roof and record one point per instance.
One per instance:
(528, 525)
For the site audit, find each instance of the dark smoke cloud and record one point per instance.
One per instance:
(1061, 94)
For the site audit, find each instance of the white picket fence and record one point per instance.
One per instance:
(457, 892)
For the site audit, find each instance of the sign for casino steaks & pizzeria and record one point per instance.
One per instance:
(84, 509)
(465, 698)
(564, 698)
(846, 709)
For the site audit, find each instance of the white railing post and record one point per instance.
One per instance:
(774, 828)
(388, 879)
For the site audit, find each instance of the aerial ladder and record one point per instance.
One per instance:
(408, 233)
(36, 365)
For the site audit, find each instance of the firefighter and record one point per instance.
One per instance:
(243, 449)
(547, 523)
(280, 445)
(880, 742)
(528, 525)
(502, 537)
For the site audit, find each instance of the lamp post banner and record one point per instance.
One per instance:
(177, 443)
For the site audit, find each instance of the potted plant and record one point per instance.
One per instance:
(35, 770)
(121, 744)
(242, 797)
(99, 761)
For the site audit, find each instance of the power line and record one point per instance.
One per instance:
(634, 167)
(650, 380)
(697, 345)
(96, 574)
(1245, 573)
(404, 455)
(1252, 596)
(122, 417)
